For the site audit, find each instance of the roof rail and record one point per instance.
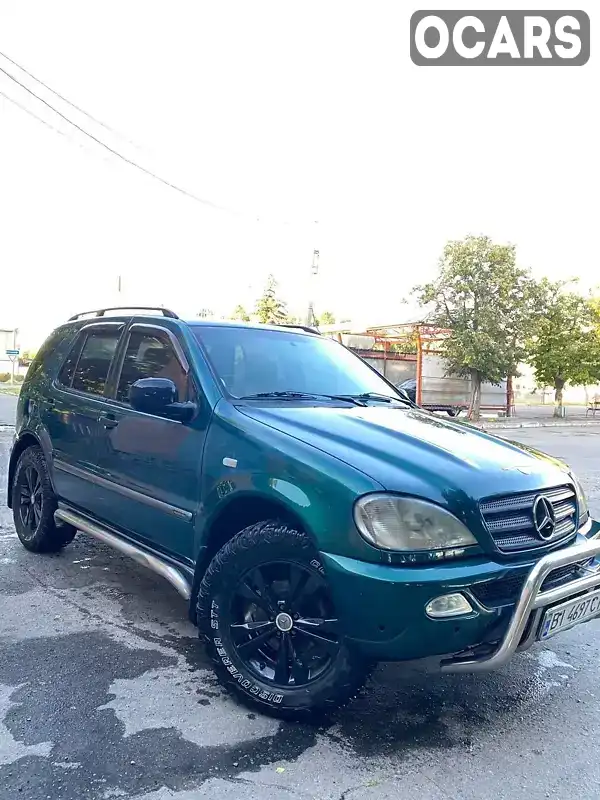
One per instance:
(100, 312)
(306, 328)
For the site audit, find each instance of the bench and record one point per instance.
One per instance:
(593, 406)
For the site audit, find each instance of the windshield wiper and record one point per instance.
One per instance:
(382, 398)
(347, 398)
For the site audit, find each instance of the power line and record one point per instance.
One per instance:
(116, 152)
(148, 172)
(41, 119)
(31, 114)
(64, 99)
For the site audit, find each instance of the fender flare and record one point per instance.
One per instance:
(28, 438)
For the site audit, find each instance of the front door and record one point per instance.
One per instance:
(150, 466)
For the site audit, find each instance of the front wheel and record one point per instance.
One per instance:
(265, 609)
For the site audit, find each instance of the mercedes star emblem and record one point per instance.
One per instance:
(544, 518)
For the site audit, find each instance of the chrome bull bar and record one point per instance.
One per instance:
(531, 600)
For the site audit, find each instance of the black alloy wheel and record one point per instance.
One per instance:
(282, 624)
(266, 612)
(34, 504)
(30, 496)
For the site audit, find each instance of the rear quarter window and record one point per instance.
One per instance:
(51, 354)
(89, 373)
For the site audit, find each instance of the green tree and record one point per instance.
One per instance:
(239, 312)
(327, 318)
(269, 307)
(27, 357)
(486, 301)
(565, 346)
(408, 346)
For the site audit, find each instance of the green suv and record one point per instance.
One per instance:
(315, 519)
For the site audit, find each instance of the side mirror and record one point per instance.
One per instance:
(403, 393)
(153, 395)
(158, 396)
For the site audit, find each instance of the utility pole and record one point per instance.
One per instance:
(314, 271)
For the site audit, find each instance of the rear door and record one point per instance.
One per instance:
(150, 465)
(72, 414)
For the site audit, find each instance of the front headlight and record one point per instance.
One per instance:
(408, 524)
(581, 500)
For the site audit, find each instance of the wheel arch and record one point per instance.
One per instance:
(26, 440)
(232, 517)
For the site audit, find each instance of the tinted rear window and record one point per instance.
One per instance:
(87, 366)
(50, 347)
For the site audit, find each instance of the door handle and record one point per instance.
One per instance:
(108, 420)
(50, 402)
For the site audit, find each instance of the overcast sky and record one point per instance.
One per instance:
(283, 113)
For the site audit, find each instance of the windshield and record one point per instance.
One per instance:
(251, 361)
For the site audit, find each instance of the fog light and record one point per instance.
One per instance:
(448, 605)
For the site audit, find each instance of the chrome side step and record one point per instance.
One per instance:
(175, 577)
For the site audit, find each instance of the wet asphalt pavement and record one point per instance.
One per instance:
(8, 408)
(106, 693)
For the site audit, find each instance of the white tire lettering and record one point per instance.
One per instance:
(245, 684)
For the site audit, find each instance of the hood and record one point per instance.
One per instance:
(411, 451)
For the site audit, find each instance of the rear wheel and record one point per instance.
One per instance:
(34, 504)
(266, 611)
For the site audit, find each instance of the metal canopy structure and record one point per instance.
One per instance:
(425, 337)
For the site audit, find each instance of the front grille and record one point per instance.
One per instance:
(505, 591)
(565, 574)
(509, 520)
(500, 592)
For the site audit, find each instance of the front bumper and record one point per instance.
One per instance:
(530, 605)
(382, 607)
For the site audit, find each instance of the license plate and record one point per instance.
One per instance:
(570, 613)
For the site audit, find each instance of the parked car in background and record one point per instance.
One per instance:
(313, 519)
(410, 387)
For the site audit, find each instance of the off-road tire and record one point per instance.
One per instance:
(43, 535)
(259, 545)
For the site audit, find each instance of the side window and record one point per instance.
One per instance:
(65, 376)
(88, 373)
(46, 350)
(151, 355)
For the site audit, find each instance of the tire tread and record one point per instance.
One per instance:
(271, 534)
(50, 537)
